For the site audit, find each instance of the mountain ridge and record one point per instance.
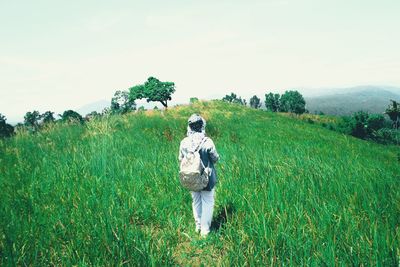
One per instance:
(370, 99)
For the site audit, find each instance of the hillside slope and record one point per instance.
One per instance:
(107, 193)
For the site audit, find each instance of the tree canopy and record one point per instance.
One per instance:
(32, 118)
(193, 100)
(48, 117)
(233, 98)
(71, 116)
(272, 102)
(6, 130)
(255, 102)
(393, 111)
(121, 103)
(292, 101)
(153, 90)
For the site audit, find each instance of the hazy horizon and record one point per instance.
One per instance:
(62, 55)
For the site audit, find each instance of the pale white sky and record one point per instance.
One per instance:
(58, 55)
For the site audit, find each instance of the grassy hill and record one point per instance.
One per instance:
(107, 193)
(370, 99)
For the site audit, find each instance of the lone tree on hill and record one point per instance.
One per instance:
(153, 90)
(393, 111)
(6, 130)
(233, 98)
(255, 102)
(292, 101)
(121, 103)
(272, 102)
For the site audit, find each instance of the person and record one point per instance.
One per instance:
(202, 201)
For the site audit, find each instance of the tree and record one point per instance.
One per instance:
(193, 100)
(31, 119)
(359, 124)
(255, 102)
(6, 130)
(71, 116)
(233, 98)
(375, 122)
(153, 90)
(121, 103)
(393, 111)
(92, 115)
(106, 111)
(272, 102)
(292, 101)
(48, 117)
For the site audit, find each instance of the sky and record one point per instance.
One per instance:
(58, 55)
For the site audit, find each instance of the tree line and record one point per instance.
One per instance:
(361, 124)
(290, 101)
(122, 102)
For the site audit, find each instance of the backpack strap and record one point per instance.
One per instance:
(201, 143)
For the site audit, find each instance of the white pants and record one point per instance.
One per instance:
(203, 205)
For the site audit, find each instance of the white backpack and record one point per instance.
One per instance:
(193, 175)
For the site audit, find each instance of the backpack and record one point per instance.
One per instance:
(193, 174)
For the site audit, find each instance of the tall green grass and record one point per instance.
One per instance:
(107, 193)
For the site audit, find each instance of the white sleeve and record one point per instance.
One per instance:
(212, 151)
(180, 157)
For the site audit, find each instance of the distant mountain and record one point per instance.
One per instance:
(373, 99)
(95, 106)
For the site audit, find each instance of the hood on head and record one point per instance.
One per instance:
(196, 124)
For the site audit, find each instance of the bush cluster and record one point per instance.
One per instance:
(368, 127)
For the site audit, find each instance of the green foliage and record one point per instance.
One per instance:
(153, 90)
(386, 136)
(71, 116)
(47, 117)
(272, 102)
(292, 101)
(375, 122)
(255, 102)
(233, 98)
(92, 115)
(32, 119)
(6, 130)
(367, 126)
(393, 111)
(121, 103)
(194, 100)
(107, 193)
(106, 111)
(359, 126)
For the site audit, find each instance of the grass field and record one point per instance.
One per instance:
(107, 193)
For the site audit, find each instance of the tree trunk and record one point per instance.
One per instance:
(164, 104)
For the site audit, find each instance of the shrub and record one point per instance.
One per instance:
(194, 100)
(387, 136)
